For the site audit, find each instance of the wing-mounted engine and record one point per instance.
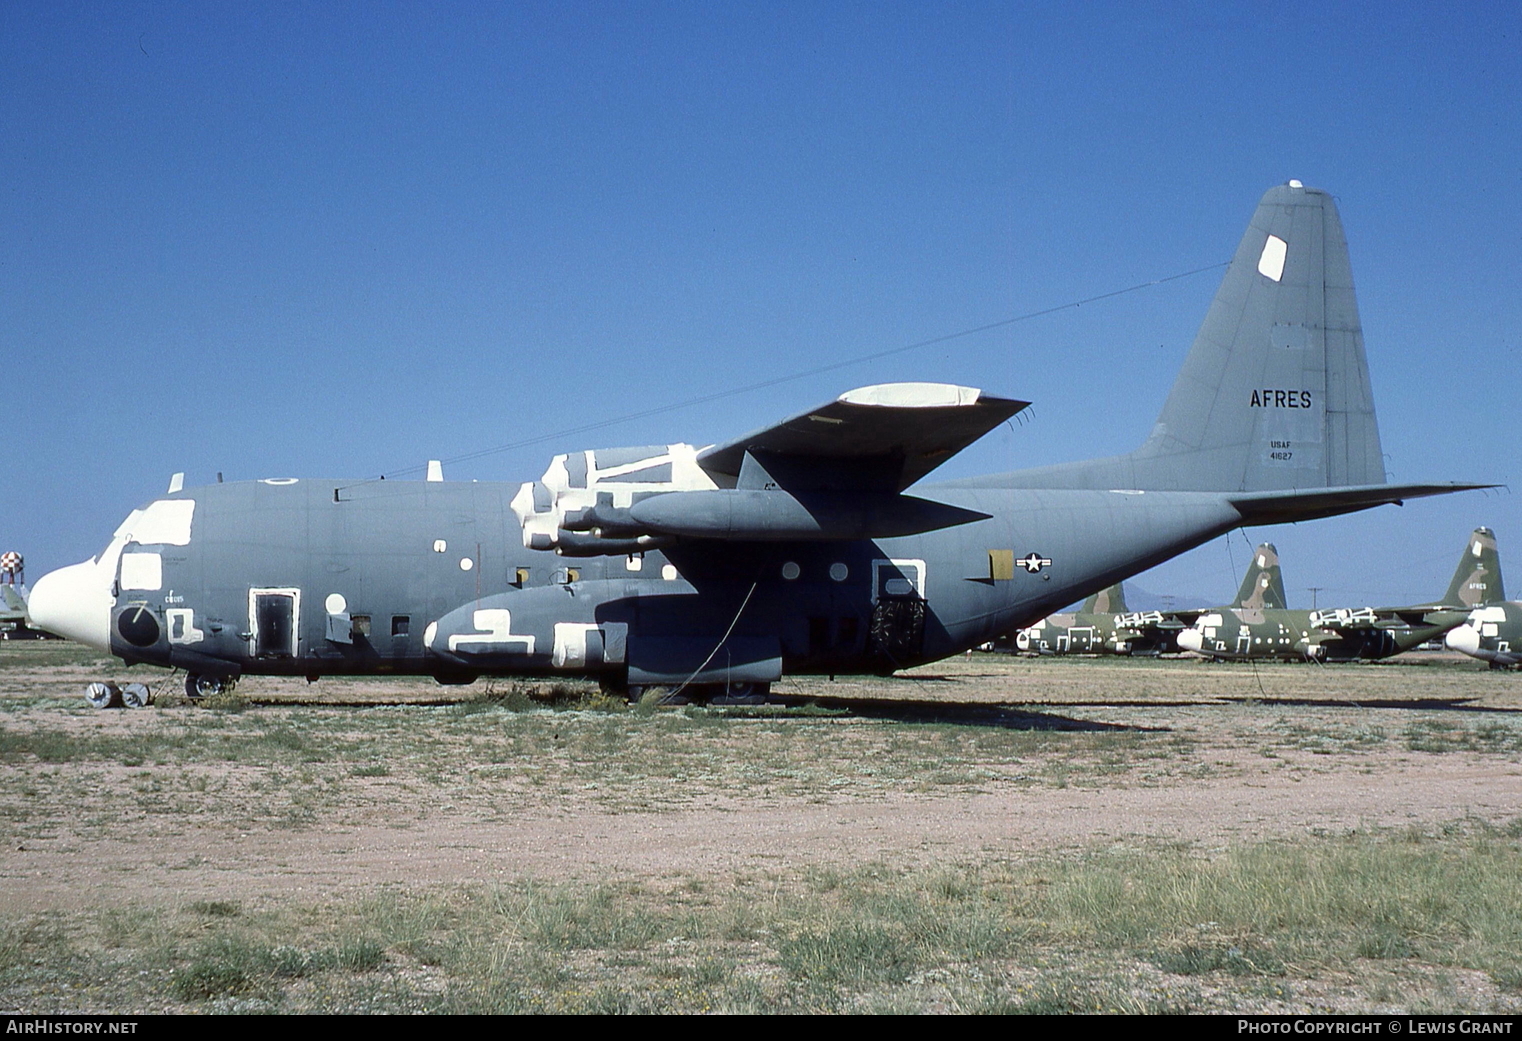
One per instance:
(835, 473)
(559, 511)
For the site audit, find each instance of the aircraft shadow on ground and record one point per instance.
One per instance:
(1410, 704)
(997, 716)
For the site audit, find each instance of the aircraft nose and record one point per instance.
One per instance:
(1465, 638)
(1191, 640)
(75, 602)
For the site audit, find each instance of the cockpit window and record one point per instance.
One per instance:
(164, 522)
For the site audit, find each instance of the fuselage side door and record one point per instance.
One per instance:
(274, 623)
(898, 608)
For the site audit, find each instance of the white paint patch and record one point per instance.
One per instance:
(1271, 262)
(498, 623)
(182, 626)
(634, 562)
(570, 645)
(166, 522)
(335, 603)
(839, 572)
(439, 545)
(1477, 549)
(912, 395)
(435, 471)
(142, 571)
(176, 483)
(669, 573)
(791, 570)
(429, 633)
(466, 563)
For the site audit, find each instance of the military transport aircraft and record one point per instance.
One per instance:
(1104, 626)
(1095, 628)
(1492, 632)
(793, 549)
(1344, 634)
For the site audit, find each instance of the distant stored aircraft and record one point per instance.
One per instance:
(1345, 634)
(1492, 632)
(794, 549)
(1104, 626)
(13, 617)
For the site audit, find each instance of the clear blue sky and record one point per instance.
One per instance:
(338, 240)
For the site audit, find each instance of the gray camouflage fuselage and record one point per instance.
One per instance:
(376, 550)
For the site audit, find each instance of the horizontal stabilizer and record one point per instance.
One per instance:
(1288, 507)
(881, 438)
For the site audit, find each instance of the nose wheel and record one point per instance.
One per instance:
(200, 685)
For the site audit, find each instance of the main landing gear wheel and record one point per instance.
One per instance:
(703, 694)
(200, 685)
(742, 694)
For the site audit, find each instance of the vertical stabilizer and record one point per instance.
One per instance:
(1107, 601)
(1275, 392)
(1478, 578)
(14, 599)
(1263, 585)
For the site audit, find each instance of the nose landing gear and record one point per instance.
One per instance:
(200, 685)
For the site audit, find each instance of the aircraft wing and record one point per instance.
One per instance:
(881, 438)
(1369, 618)
(1158, 621)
